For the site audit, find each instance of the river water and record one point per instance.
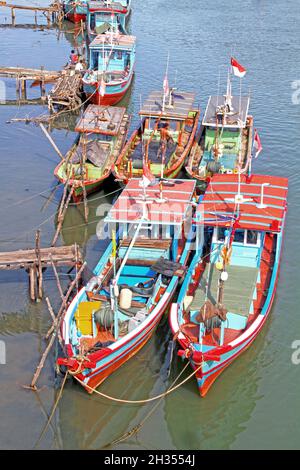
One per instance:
(256, 402)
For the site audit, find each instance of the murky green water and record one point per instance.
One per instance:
(256, 402)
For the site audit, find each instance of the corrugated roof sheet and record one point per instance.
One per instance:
(181, 105)
(122, 40)
(218, 206)
(101, 119)
(104, 6)
(238, 115)
(177, 195)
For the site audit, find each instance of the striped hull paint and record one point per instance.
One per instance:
(107, 361)
(113, 93)
(95, 378)
(211, 369)
(119, 353)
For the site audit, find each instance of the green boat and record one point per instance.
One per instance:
(102, 135)
(224, 143)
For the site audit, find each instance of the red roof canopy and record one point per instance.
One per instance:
(218, 205)
(170, 209)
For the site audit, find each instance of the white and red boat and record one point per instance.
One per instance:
(115, 314)
(231, 282)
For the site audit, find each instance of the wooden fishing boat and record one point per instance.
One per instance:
(224, 143)
(102, 134)
(174, 113)
(103, 17)
(228, 291)
(111, 68)
(75, 10)
(115, 314)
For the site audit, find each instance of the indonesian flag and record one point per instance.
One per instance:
(238, 69)
(257, 144)
(166, 86)
(102, 87)
(148, 178)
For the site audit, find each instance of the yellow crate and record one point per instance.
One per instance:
(84, 317)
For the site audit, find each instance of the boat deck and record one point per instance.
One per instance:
(238, 291)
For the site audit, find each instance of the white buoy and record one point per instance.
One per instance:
(125, 298)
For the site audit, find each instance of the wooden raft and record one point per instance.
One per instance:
(66, 92)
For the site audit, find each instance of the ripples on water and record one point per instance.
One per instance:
(256, 398)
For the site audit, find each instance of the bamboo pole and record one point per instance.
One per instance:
(60, 222)
(66, 297)
(54, 330)
(51, 141)
(42, 362)
(57, 279)
(40, 271)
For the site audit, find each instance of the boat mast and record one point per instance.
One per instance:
(165, 82)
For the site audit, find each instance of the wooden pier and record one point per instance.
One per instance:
(53, 13)
(23, 74)
(66, 91)
(37, 259)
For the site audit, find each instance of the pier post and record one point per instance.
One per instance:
(18, 87)
(40, 271)
(32, 282)
(23, 89)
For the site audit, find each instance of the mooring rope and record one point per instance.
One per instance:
(147, 400)
(136, 429)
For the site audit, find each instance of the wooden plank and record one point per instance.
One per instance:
(23, 258)
(55, 8)
(29, 73)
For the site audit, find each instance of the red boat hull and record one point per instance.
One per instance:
(108, 99)
(75, 17)
(97, 380)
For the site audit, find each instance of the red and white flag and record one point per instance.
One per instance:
(166, 86)
(148, 177)
(102, 87)
(257, 144)
(238, 69)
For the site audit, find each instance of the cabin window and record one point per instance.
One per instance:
(94, 59)
(239, 236)
(251, 237)
(92, 22)
(221, 234)
(244, 237)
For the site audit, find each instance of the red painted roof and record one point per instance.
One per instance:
(177, 195)
(217, 202)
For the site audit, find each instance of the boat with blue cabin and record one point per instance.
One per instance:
(111, 68)
(103, 17)
(227, 294)
(116, 313)
(224, 143)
